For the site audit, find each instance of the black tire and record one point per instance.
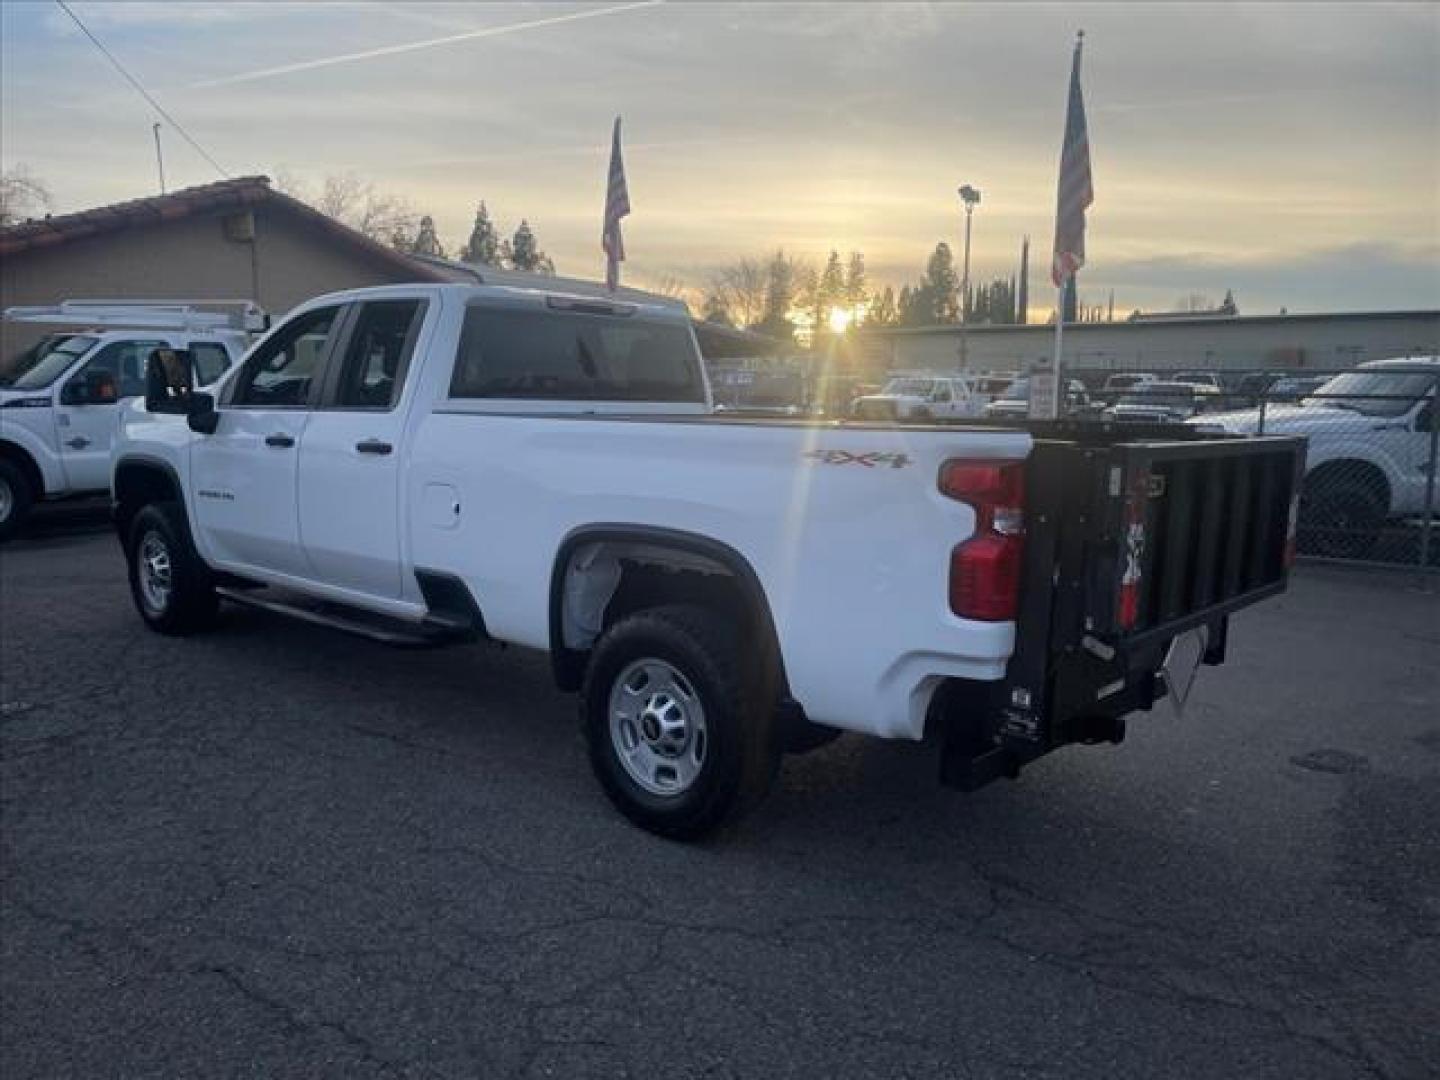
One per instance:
(1340, 519)
(190, 603)
(16, 498)
(741, 748)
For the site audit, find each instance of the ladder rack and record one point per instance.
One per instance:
(189, 315)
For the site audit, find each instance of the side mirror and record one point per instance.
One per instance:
(170, 388)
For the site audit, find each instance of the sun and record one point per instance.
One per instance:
(839, 320)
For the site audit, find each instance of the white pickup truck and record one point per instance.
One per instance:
(1371, 449)
(435, 463)
(58, 402)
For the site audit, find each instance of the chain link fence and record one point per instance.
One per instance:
(1370, 492)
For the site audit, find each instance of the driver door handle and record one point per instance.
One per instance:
(279, 440)
(77, 443)
(373, 446)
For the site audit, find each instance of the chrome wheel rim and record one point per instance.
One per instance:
(155, 573)
(7, 500)
(657, 727)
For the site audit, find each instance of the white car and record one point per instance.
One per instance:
(924, 397)
(59, 402)
(430, 463)
(1369, 455)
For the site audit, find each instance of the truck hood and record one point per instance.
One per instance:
(1294, 420)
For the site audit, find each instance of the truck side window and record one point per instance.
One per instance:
(211, 361)
(126, 361)
(573, 356)
(279, 373)
(377, 354)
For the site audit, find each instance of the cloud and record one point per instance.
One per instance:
(413, 46)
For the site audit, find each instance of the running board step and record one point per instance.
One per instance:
(431, 632)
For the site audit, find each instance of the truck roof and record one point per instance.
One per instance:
(560, 296)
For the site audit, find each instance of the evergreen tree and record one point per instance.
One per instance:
(856, 290)
(483, 248)
(524, 249)
(882, 312)
(941, 284)
(779, 296)
(829, 293)
(426, 242)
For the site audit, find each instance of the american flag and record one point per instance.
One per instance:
(1075, 192)
(617, 205)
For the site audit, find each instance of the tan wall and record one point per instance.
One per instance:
(191, 259)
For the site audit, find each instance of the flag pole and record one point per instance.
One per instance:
(1059, 339)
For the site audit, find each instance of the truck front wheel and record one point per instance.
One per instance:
(170, 584)
(15, 499)
(681, 729)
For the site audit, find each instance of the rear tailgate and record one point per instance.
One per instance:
(1129, 544)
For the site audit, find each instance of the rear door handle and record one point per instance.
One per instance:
(373, 446)
(280, 440)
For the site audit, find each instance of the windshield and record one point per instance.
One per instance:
(909, 387)
(1374, 392)
(48, 361)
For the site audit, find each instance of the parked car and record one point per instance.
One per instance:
(1369, 433)
(543, 469)
(1127, 380)
(58, 401)
(1207, 379)
(1163, 402)
(923, 397)
(1014, 403)
(1291, 388)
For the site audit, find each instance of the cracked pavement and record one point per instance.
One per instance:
(278, 851)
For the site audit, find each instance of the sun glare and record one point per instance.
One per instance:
(839, 320)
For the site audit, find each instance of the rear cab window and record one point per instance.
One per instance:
(567, 355)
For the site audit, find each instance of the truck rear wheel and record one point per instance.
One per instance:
(681, 729)
(170, 584)
(15, 499)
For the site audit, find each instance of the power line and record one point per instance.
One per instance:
(141, 90)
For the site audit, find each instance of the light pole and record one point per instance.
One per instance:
(970, 197)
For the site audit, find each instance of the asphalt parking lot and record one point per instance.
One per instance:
(278, 851)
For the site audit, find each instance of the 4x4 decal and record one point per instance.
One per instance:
(869, 460)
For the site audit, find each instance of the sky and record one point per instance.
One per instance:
(1289, 153)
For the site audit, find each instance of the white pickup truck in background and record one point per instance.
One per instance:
(930, 397)
(58, 401)
(426, 464)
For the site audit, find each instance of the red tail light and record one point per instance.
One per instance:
(985, 570)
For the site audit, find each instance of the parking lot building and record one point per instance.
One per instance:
(1315, 342)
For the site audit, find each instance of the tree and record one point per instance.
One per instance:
(715, 310)
(741, 289)
(829, 293)
(381, 216)
(525, 253)
(21, 196)
(483, 247)
(426, 242)
(941, 283)
(1194, 302)
(883, 312)
(780, 283)
(856, 292)
(916, 306)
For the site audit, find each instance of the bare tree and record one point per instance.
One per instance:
(380, 215)
(740, 288)
(21, 196)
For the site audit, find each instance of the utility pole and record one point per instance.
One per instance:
(1022, 302)
(970, 197)
(159, 159)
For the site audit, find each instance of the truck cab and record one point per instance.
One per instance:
(59, 399)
